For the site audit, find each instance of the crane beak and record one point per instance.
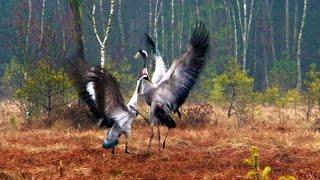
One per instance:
(145, 71)
(137, 55)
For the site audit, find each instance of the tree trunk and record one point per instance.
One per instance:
(235, 35)
(121, 28)
(156, 17)
(103, 44)
(77, 26)
(172, 29)
(271, 31)
(181, 26)
(28, 30)
(246, 34)
(62, 30)
(295, 31)
(150, 17)
(105, 41)
(197, 9)
(299, 83)
(162, 29)
(287, 27)
(42, 21)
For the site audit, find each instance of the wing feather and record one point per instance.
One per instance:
(174, 88)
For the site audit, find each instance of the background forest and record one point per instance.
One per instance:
(258, 45)
(260, 88)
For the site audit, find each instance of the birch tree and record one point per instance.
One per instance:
(121, 27)
(150, 17)
(287, 26)
(162, 29)
(63, 33)
(245, 27)
(181, 26)
(271, 30)
(295, 31)
(156, 18)
(172, 29)
(28, 30)
(299, 83)
(197, 9)
(235, 33)
(42, 21)
(103, 42)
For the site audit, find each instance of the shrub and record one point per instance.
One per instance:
(38, 90)
(271, 95)
(283, 74)
(313, 88)
(256, 172)
(235, 86)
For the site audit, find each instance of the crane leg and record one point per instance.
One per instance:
(164, 141)
(151, 137)
(113, 151)
(126, 145)
(159, 138)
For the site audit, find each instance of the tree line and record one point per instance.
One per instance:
(275, 43)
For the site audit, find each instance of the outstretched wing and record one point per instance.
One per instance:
(175, 86)
(77, 71)
(108, 95)
(160, 67)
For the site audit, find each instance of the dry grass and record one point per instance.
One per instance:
(214, 151)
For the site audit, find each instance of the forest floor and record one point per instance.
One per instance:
(202, 152)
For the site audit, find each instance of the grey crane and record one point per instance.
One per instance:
(167, 95)
(108, 102)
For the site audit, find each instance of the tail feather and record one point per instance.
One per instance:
(165, 119)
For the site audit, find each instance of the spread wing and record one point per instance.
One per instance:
(175, 86)
(77, 70)
(108, 102)
(108, 95)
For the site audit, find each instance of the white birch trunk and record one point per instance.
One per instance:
(197, 9)
(271, 32)
(181, 26)
(244, 35)
(42, 21)
(245, 28)
(150, 17)
(299, 83)
(295, 31)
(190, 16)
(29, 26)
(103, 44)
(62, 30)
(156, 17)
(172, 29)
(162, 29)
(287, 26)
(235, 30)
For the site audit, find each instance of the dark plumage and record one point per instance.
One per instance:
(108, 103)
(171, 91)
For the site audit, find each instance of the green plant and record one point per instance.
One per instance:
(13, 122)
(255, 171)
(39, 90)
(283, 74)
(271, 95)
(235, 86)
(313, 88)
